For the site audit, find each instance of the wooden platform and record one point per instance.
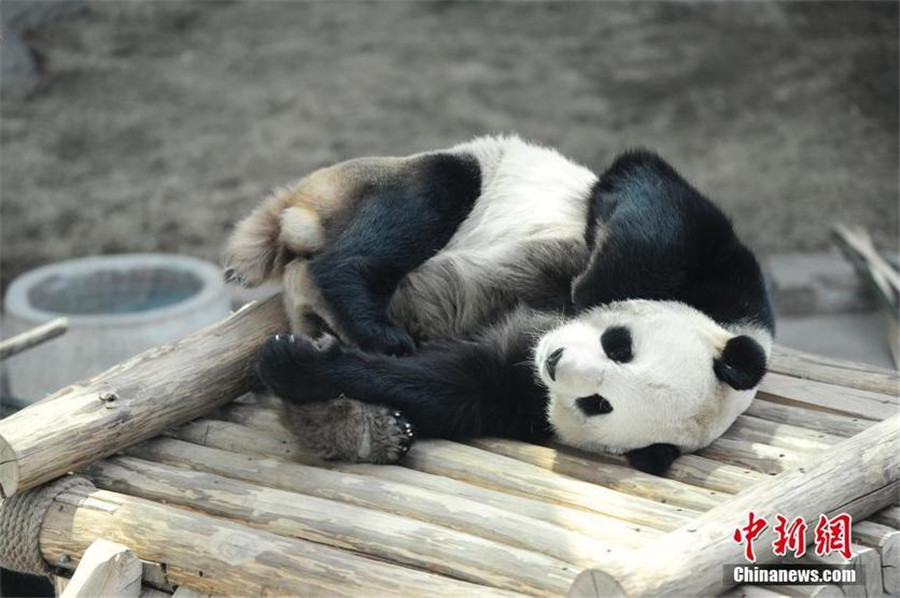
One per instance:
(486, 517)
(215, 497)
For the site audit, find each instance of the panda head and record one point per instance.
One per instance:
(650, 379)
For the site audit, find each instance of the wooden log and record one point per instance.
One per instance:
(106, 569)
(887, 542)
(224, 557)
(849, 374)
(186, 592)
(867, 563)
(778, 434)
(835, 424)
(611, 475)
(458, 513)
(889, 517)
(690, 469)
(824, 591)
(829, 397)
(858, 476)
(32, 338)
(770, 460)
(270, 443)
(441, 457)
(380, 535)
(140, 398)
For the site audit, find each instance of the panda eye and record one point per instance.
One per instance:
(616, 342)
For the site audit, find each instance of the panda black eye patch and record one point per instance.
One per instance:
(594, 405)
(616, 342)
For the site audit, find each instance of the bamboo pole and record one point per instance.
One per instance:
(858, 476)
(810, 366)
(223, 557)
(378, 534)
(32, 338)
(106, 569)
(140, 398)
(281, 445)
(458, 513)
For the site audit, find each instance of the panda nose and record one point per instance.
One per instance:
(551, 362)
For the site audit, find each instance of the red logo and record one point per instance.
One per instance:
(790, 537)
(834, 535)
(748, 534)
(831, 535)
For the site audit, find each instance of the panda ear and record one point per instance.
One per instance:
(742, 363)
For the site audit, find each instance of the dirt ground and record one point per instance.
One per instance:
(155, 125)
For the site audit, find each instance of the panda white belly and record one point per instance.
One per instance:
(531, 217)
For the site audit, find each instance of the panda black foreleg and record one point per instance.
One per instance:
(455, 390)
(398, 225)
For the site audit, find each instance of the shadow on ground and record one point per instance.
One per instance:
(154, 126)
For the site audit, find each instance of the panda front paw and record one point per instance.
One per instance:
(295, 368)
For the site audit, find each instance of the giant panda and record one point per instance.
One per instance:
(499, 288)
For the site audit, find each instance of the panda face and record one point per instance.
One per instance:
(635, 373)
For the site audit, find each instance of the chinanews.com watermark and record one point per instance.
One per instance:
(830, 536)
(795, 575)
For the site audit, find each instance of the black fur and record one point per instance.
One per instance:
(398, 226)
(616, 344)
(457, 389)
(742, 363)
(655, 459)
(660, 239)
(663, 240)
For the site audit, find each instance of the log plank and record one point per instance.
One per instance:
(406, 500)
(809, 366)
(140, 398)
(858, 476)
(380, 535)
(242, 439)
(106, 569)
(223, 557)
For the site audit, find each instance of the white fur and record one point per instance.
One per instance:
(668, 393)
(528, 192)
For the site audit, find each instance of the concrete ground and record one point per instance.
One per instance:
(860, 337)
(154, 126)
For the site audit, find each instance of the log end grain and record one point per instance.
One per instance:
(593, 583)
(9, 470)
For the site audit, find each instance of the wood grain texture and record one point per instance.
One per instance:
(886, 541)
(106, 569)
(406, 500)
(611, 475)
(381, 535)
(819, 368)
(836, 424)
(829, 397)
(140, 398)
(218, 556)
(859, 476)
(271, 443)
